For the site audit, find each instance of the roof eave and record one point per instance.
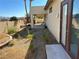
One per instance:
(48, 4)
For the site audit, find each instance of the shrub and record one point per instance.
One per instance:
(32, 48)
(11, 30)
(45, 36)
(13, 18)
(30, 36)
(13, 42)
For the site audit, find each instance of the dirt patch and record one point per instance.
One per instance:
(4, 38)
(25, 49)
(17, 51)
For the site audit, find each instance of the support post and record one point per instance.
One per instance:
(32, 25)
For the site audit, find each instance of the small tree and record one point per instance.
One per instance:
(14, 19)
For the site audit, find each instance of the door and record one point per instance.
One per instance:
(63, 23)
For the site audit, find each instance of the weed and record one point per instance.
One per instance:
(45, 36)
(11, 30)
(30, 36)
(13, 42)
(32, 48)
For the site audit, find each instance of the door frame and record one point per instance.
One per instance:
(68, 25)
(61, 20)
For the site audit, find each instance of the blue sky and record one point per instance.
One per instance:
(76, 7)
(10, 8)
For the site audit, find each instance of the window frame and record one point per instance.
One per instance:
(50, 10)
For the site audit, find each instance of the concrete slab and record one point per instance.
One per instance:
(56, 51)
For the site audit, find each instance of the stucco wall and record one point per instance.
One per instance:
(53, 19)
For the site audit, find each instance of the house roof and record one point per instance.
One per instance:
(47, 4)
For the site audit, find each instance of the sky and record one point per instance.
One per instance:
(76, 7)
(9, 8)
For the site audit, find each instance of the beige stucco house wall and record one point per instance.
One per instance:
(53, 18)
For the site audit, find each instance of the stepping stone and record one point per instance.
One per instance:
(56, 51)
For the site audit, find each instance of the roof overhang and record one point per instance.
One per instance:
(37, 10)
(48, 4)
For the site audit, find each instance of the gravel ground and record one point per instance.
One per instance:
(21, 49)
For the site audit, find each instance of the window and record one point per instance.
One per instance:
(75, 28)
(50, 10)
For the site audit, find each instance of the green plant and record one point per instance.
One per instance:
(13, 18)
(31, 46)
(13, 42)
(45, 37)
(11, 30)
(30, 32)
(30, 36)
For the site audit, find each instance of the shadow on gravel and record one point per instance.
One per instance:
(37, 46)
(21, 34)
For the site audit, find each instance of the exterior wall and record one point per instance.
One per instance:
(62, 0)
(53, 19)
(38, 20)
